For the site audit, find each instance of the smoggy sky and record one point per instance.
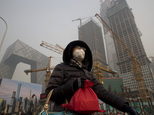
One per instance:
(34, 21)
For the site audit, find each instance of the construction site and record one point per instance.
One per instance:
(120, 62)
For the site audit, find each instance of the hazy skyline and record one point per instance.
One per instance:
(34, 21)
(7, 90)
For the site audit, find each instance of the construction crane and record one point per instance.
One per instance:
(98, 65)
(80, 19)
(47, 69)
(98, 71)
(56, 48)
(136, 67)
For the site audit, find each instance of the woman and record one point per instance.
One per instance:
(70, 75)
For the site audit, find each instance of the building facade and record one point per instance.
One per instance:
(91, 33)
(120, 18)
(110, 46)
(21, 52)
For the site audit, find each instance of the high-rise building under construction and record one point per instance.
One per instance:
(91, 33)
(118, 15)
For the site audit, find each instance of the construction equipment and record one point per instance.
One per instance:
(56, 48)
(47, 69)
(98, 65)
(136, 67)
(98, 71)
(80, 19)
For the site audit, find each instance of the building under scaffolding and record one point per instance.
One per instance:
(119, 17)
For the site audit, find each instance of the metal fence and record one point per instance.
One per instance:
(142, 107)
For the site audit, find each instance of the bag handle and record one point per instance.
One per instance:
(46, 105)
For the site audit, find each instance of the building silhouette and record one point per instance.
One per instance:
(119, 17)
(21, 52)
(91, 33)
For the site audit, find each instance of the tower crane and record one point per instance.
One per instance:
(80, 19)
(136, 67)
(98, 71)
(56, 48)
(47, 69)
(98, 65)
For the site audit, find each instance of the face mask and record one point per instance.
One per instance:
(79, 54)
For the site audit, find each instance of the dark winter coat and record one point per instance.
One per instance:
(65, 73)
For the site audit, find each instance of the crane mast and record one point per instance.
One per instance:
(47, 69)
(136, 67)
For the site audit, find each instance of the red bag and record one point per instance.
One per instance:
(84, 100)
